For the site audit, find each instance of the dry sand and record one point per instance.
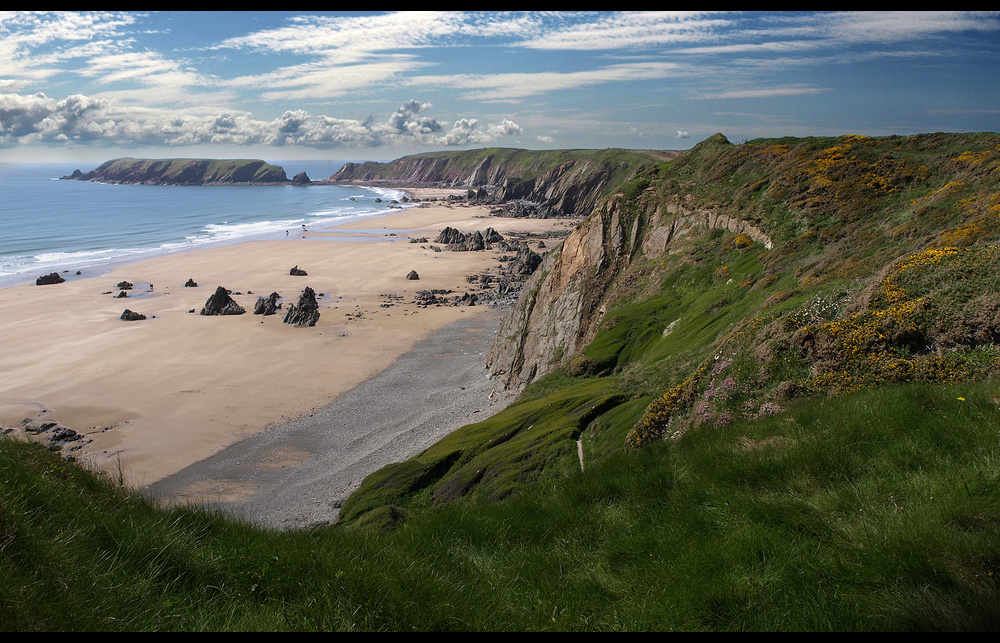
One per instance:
(157, 395)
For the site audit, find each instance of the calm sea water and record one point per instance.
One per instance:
(48, 225)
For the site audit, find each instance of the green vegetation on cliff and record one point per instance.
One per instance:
(184, 171)
(522, 164)
(782, 414)
(568, 181)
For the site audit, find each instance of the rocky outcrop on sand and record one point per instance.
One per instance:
(526, 261)
(190, 283)
(471, 242)
(305, 312)
(51, 278)
(297, 272)
(222, 303)
(267, 305)
(130, 315)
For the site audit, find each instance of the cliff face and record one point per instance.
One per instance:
(184, 172)
(725, 284)
(826, 211)
(564, 302)
(561, 181)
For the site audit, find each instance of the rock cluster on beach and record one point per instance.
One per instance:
(472, 241)
(267, 305)
(222, 303)
(305, 312)
(130, 315)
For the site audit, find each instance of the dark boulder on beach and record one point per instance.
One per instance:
(130, 315)
(124, 285)
(413, 275)
(297, 272)
(221, 303)
(51, 278)
(267, 305)
(305, 312)
(190, 283)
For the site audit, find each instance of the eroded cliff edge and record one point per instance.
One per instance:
(553, 182)
(564, 302)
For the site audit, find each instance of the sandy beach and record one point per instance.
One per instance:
(154, 396)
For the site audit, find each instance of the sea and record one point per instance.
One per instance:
(52, 225)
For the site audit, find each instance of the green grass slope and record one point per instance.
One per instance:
(800, 437)
(872, 511)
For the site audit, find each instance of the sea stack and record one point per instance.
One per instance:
(267, 305)
(221, 303)
(305, 312)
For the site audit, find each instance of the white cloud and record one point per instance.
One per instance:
(81, 119)
(764, 92)
(514, 86)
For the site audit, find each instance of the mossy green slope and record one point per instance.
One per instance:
(871, 511)
(881, 271)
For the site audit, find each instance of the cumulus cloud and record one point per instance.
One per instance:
(406, 120)
(682, 133)
(37, 118)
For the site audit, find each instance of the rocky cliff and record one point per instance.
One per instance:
(184, 172)
(730, 284)
(558, 182)
(832, 204)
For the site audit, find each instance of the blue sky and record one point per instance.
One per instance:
(360, 85)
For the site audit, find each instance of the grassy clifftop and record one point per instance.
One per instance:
(781, 413)
(460, 167)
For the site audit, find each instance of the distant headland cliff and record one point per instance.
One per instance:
(534, 183)
(189, 172)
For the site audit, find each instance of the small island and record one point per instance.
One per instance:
(189, 172)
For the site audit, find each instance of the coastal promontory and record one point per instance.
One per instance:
(185, 172)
